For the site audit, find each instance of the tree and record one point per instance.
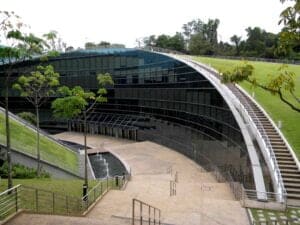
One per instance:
(237, 41)
(90, 45)
(17, 47)
(54, 42)
(76, 101)
(200, 46)
(36, 87)
(201, 37)
(290, 34)
(280, 84)
(150, 41)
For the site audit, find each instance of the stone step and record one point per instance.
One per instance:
(284, 166)
(282, 154)
(291, 180)
(293, 196)
(275, 139)
(285, 162)
(293, 190)
(279, 147)
(291, 185)
(292, 171)
(284, 158)
(290, 175)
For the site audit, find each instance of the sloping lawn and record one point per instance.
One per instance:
(272, 104)
(23, 139)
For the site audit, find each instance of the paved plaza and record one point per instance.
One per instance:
(199, 198)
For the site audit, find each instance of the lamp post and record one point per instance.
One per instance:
(85, 184)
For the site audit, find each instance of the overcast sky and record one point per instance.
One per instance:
(123, 21)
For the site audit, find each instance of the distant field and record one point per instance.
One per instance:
(272, 104)
(23, 139)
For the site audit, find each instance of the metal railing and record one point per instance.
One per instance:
(247, 197)
(248, 109)
(143, 213)
(172, 188)
(9, 202)
(36, 200)
(249, 200)
(102, 188)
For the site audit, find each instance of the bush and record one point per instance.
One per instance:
(28, 116)
(20, 171)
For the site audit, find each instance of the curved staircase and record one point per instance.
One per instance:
(286, 163)
(281, 153)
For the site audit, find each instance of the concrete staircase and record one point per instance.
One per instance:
(288, 168)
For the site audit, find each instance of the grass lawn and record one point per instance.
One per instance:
(68, 187)
(23, 139)
(291, 214)
(272, 104)
(54, 196)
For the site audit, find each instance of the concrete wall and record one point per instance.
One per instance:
(30, 161)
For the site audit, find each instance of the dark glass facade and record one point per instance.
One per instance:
(154, 98)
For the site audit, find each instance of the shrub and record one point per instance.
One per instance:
(28, 116)
(20, 171)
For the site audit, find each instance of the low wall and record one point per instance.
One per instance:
(30, 161)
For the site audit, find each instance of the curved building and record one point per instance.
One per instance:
(165, 99)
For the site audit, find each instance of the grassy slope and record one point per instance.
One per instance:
(272, 104)
(24, 139)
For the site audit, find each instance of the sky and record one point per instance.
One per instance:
(124, 21)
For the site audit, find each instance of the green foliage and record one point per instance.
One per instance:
(238, 74)
(38, 85)
(290, 34)
(28, 116)
(237, 41)
(72, 102)
(284, 79)
(175, 42)
(20, 171)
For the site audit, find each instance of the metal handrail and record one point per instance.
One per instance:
(263, 135)
(154, 209)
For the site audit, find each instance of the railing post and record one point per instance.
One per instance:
(94, 194)
(67, 204)
(36, 200)
(141, 214)
(158, 217)
(53, 202)
(106, 183)
(16, 190)
(133, 206)
(149, 212)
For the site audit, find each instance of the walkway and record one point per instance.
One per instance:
(199, 198)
